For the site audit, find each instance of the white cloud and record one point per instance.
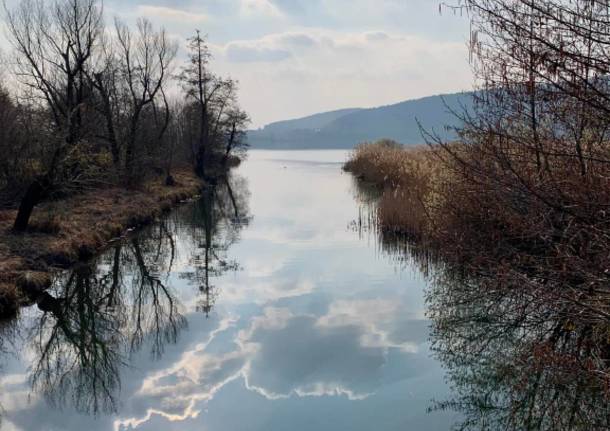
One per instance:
(259, 8)
(239, 52)
(171, 14)
(307, 71)
(296, 40)
(376, 36)
(272, 48)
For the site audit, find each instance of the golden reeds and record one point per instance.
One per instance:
(411, 178)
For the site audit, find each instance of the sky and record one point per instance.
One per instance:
(299, 57)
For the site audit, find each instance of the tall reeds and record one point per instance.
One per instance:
(549, 232)
(411, 178)
(511, 233)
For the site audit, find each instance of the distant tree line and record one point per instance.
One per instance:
(92, 104)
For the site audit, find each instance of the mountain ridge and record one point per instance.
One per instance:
(345, 128)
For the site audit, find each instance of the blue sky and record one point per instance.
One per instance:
(298, 57)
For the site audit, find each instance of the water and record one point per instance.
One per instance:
(262, 306)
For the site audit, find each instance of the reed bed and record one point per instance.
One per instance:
(411, 178)
(512, 230)
(516, 226)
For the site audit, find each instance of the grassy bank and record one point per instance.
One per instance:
(67, 231)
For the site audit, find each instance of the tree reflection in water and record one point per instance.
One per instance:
(8, 333)
(516, 360)
(217, 221)
(77, 343)
(99, 315)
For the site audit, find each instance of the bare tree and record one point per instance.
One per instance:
(206, 89)
(528, 200)
(106, 79)
(235, 125)
(92, 103)
(146, 60)
(54, 46)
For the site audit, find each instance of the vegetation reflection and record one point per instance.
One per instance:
(218, 218)
(516, 359)
(517, 362)
(99, 315)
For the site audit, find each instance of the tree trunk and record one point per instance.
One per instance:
(130, 150)
(200, 163)
(107, 112)
(229, 147)
(198, 167)
(201, 159)
(129, 161)
(34, 194)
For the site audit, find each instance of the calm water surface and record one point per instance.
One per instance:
(261, 306)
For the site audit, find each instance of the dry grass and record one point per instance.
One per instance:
(64, 232)
(549, 233)
(411, 178)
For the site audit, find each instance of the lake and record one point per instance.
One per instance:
(267, 304)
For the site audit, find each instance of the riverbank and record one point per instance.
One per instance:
(503, 232)
(513, 230)
(64, 232)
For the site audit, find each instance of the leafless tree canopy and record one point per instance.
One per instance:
(92, 107)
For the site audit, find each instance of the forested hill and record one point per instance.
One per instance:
(348, 127)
